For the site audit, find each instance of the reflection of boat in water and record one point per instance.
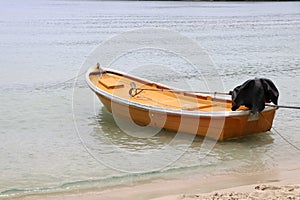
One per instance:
(108, 130)
(149, 103)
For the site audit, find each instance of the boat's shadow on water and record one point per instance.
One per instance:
(110, 129)
(244, 155)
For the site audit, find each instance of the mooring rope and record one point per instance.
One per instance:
(61, 83)
(135, 90)
(277, 132)
(283, 106)
(297, 148)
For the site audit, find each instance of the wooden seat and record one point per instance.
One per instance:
(111, 83)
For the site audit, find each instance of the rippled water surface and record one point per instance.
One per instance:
(44, 43)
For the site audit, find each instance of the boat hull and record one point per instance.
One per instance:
(219, 128)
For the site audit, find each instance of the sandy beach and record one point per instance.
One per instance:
(277, 190)
(249, 192)
(274, 185)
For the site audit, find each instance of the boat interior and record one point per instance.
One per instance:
(154, 95)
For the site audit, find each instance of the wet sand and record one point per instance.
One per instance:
(271, 185)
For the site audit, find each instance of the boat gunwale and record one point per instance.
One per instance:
(127, 102)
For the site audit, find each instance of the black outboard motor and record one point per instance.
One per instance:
(254, 94)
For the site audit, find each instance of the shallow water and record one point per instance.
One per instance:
(44, 43)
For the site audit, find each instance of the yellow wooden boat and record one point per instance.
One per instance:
(148, 103)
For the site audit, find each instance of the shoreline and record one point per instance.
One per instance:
(183, 187)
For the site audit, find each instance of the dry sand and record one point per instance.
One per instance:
(252, 192)
(272, 185)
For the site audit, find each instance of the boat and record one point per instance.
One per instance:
(148, 103)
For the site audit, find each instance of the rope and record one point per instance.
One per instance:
(283, 106)
(286, 140)
(135, 90)
(290, 143)
(61, 83)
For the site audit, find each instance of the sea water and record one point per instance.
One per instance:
(51, 139)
